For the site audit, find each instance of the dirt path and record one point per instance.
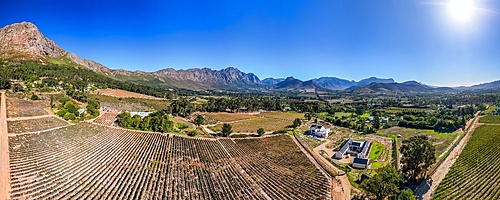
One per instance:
(344, 192)
(28, 118)
(427, 188)
(4, 151)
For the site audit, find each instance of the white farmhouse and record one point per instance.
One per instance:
(319, 131)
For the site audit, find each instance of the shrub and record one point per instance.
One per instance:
(261, 131)
(34, 97)
(192, 133)
(69, 116)
(280, 131)
(182, 126)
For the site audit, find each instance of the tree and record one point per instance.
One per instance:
(418, 155)
(385, 183)
(34, 97)
(4, 83)
(192, 133)
(261, 131)
(69, 116)
(51, 101)
(296, 123)
(199, 120)
(227, 129)
(308, 116)
(406, 195)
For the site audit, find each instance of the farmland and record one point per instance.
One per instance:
(33, 125)
(85, 161)
(26, 108)
(270, 121)
(490, 119)
(475, 174)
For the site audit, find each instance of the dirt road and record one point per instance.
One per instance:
(341, 185)
(4, 151)
(427, 188)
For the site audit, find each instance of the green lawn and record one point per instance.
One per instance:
(376, 165)
(376, 151)
(490, 109)
(490, 119)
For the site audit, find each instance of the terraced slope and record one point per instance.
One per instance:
(86, 161)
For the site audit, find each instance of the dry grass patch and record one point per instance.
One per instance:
(229, 117)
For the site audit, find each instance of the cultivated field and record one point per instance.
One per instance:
(86, 161)
(26, 108)
(130, 104)
(476, 173)
(245, 123)
(490, 119)
(123, 94)
(34, 125)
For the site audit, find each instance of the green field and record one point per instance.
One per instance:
(490, 119)
(475, 174)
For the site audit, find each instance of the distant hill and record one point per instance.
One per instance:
(272, 81)
(293, 84)
(405, 87)
(334, 83)
(483, 86)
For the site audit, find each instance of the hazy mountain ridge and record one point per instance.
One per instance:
(405, 87)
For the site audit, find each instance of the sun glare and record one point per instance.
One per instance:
(461, 10)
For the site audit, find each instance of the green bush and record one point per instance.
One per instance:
(192, 133)
(69, 116)
(34, 97)
(280, 131)
(182, 126)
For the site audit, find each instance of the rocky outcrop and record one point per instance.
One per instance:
(25, 41)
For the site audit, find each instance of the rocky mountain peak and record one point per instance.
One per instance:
(26, 41)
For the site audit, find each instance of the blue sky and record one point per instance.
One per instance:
(351, 39)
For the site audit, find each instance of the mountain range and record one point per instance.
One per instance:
(24, 41)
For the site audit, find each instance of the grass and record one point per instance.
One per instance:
(440, 140)
(376, 165)
(490, 119)
(342, 114)
(376, 151)
(490, 109)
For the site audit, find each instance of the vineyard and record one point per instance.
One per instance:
(476, 173)
(86, 161)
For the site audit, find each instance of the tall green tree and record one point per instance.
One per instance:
(384, 184)
(199, 120)
(296, 123)
(227, 129)
(261, 131)
(418, 155)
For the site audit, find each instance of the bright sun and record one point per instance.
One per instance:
(461, 10)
